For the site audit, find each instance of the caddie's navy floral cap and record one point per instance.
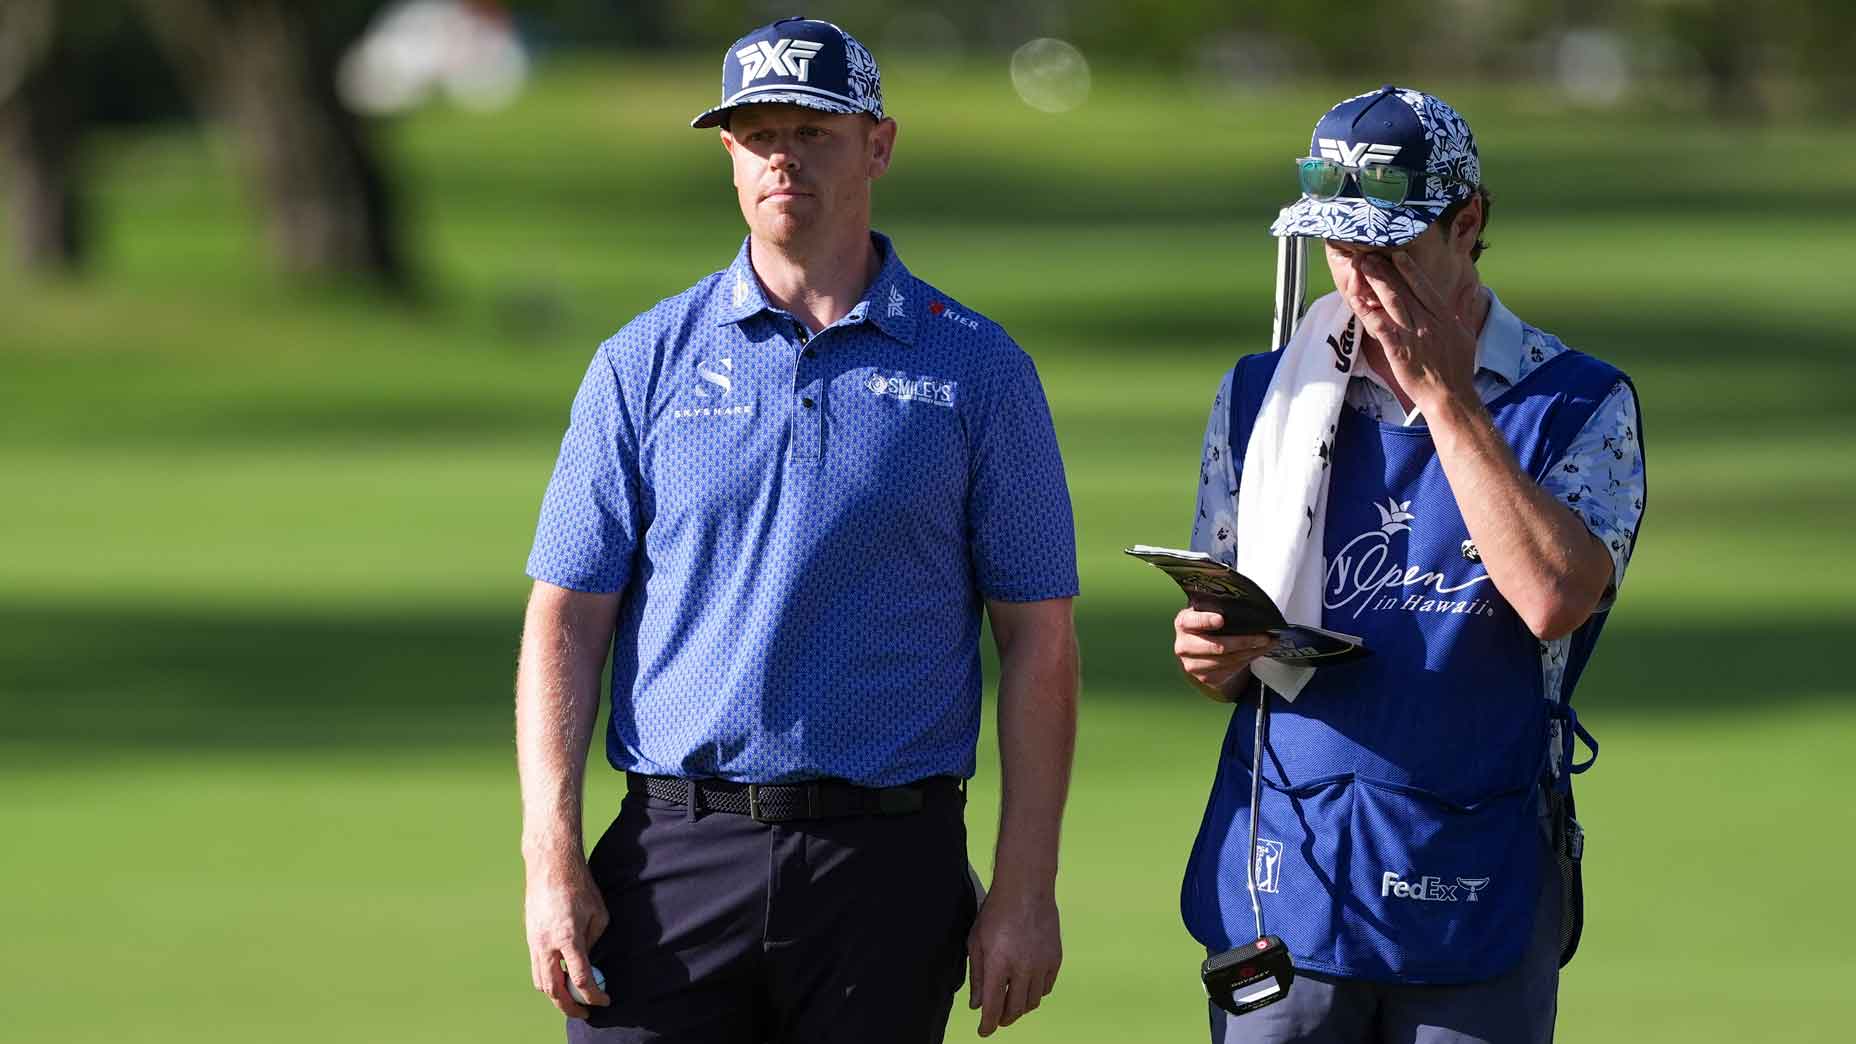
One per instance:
(1400, 127)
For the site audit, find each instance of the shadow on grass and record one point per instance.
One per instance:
(89, 682)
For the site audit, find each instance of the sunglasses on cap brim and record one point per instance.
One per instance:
(1380, 184)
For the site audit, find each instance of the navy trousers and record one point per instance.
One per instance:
(729, 931)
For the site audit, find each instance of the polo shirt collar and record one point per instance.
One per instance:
(1498, 348)
(886, 303)
(738, 294)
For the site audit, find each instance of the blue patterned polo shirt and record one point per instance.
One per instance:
(804, 528)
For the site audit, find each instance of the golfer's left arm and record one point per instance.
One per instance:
(1022, 546)
(1015, 947)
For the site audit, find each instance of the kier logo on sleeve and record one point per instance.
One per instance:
(782, 58)
(945, 312)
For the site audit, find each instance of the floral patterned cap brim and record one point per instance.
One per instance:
(1354, 221)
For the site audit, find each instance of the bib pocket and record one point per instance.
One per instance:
(1437, 892)
(1368, 879)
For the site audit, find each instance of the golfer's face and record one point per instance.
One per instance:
(797, 169)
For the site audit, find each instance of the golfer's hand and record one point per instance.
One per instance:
(565, 914)
(1013, 954)
(1427, 339)
(1213, 661)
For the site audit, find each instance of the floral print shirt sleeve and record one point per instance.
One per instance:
(1600, 477)
(1214, 527)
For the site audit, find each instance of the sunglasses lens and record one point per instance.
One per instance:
(1321, 178)
(1385, 186)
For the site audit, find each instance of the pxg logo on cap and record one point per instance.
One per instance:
(798, 61)
(1396, 126)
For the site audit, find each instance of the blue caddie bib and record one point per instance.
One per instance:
(1399, 836)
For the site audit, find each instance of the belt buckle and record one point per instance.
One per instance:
(754, 803)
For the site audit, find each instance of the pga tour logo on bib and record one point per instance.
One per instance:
(933, 390)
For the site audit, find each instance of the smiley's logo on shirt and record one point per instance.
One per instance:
(934, 390)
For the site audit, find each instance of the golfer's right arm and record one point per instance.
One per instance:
(564, 641)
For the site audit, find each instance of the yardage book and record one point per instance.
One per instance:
(1212, 586)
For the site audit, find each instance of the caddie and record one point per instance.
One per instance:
(1423, 469)
(784, 500)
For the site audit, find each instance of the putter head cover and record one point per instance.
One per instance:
(1248, 977)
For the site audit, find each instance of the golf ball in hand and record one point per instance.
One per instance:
(599, 980)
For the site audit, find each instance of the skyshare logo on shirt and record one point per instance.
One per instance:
(715, 383)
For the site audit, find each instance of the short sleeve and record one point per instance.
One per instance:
(589, 522)
(1600, 477)
(1214, 523)
(1020, 529)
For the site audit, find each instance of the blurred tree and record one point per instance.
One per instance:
(1826, 32)
(41, 126)
(1729, 40)
(267, 69)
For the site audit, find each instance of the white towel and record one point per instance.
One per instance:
(1282, 497)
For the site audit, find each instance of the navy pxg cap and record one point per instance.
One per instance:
(798, 61)
(1396, 126)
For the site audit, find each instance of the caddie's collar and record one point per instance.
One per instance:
(1498, 347)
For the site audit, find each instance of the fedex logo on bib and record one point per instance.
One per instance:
(1429, 889)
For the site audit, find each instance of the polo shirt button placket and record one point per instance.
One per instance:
(809, 419)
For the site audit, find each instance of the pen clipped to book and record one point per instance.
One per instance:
(1212, 586)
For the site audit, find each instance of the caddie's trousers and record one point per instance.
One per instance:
(726, 930)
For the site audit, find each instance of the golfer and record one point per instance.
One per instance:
(783, 500)
(1423, 469)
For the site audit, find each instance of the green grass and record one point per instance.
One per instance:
(260, 546)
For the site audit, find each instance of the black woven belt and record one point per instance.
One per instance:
(786, 802)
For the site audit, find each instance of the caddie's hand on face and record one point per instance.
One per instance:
(565, 913)
(1425, 334)
(1213, 659)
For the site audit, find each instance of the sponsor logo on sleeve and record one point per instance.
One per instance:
(942, 310)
